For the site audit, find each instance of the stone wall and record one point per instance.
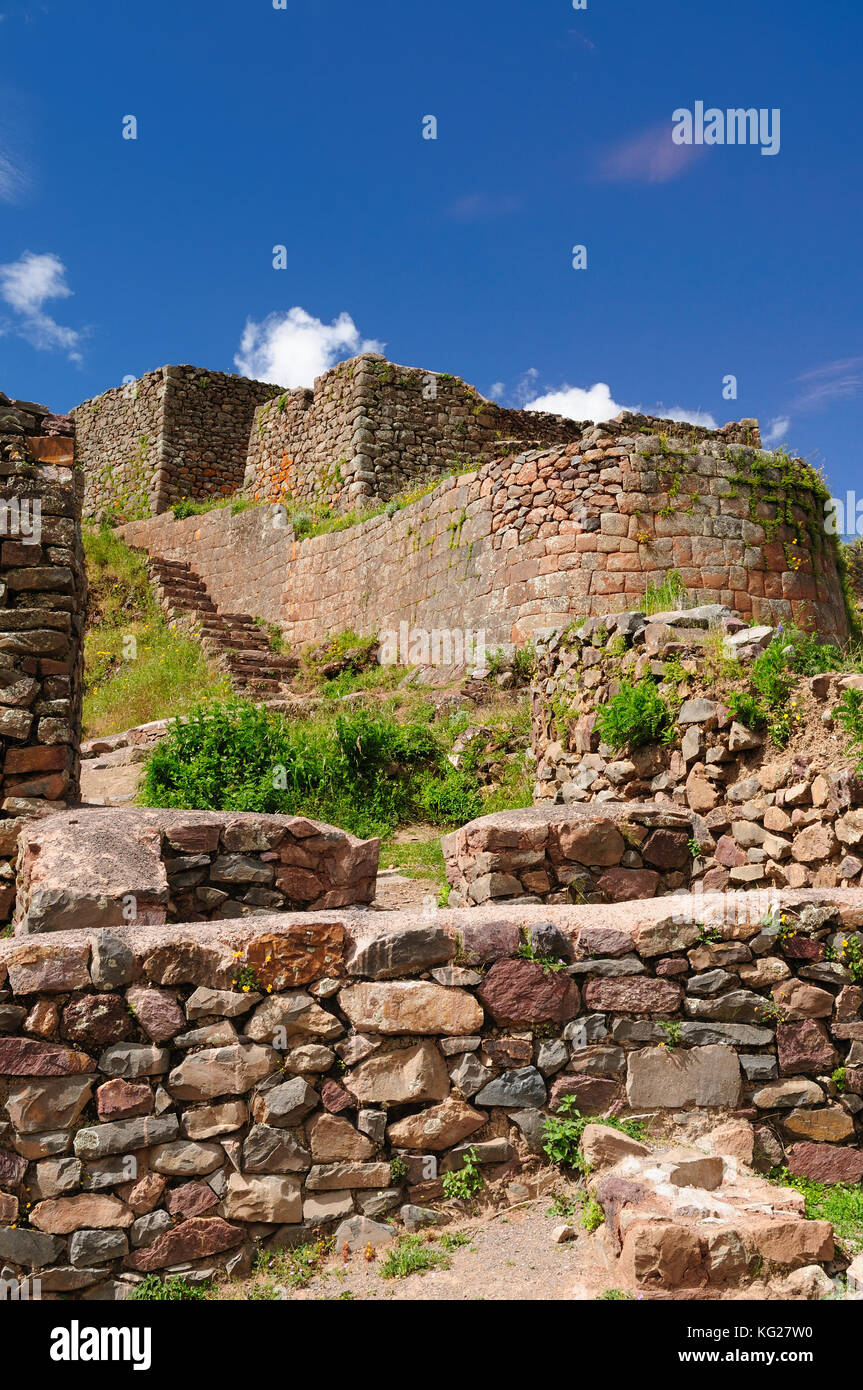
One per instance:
(178, 432)
(170, 1096)
(767, 815)
(605, 852)
(371, 429)
(42, 603)
(532, 540)
(103, 868)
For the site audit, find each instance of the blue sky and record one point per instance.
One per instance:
(302, 127)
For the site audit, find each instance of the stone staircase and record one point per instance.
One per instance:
(234, 640)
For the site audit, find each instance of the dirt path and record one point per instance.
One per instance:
(506, 1255)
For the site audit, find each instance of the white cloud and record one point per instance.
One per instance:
(777, 429)
(25, 285)
(596, 403)
(292, 349)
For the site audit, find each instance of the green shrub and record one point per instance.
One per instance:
(466, 1182)
(849, 715)
(746, 710)
(363, 771)
(636, 715)
(666, 597)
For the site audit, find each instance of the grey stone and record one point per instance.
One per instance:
(620, 965)
(227, 1003)
(531, 1122)
(121, 1136)
(522, 1087)
(738, 1006)
(57, 1177)
(758, 1067)
(379, 954)
(149, 1227)
(270, 1150)
(131, 1060)
(286, 1103)
(415, 1218)
(112, 962)
(787, 1095)
(469, 1074)
(696, 711)
(373, 1123)
(734, 1034)
(552, 1057)
(711, 982)
(96, 1247)
(107, 1172)
(379, 1203)
(358, 1232)
(591, 1028)
(598, 1061)
(666, 1079)
(29, 1248)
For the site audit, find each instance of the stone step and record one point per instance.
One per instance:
(233, 639)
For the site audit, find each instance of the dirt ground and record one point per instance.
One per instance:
(509, 1254)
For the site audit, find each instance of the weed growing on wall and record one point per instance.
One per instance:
(635, 716)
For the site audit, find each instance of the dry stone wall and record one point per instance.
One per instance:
(171, 1095)
(530, 541)
(178, 432)
(42, 603)
(98, 867)
(603, 852)
(766, 816)
(371, 429)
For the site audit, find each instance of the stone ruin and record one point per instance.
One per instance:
(174, 1093)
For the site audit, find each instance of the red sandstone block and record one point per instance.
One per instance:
(623, 562)
(560, 544)
(742, 602)
(772, 586)
(585, 543)
(605, 583)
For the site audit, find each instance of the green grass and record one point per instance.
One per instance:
(412, 1255)
(136, 668)
(562, 1133)
(186, 507)
(666, 597)
(839, 1203)
(319, 519)
(415, 858)
(636, 715)
(293, 1268)
(155, 1289)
